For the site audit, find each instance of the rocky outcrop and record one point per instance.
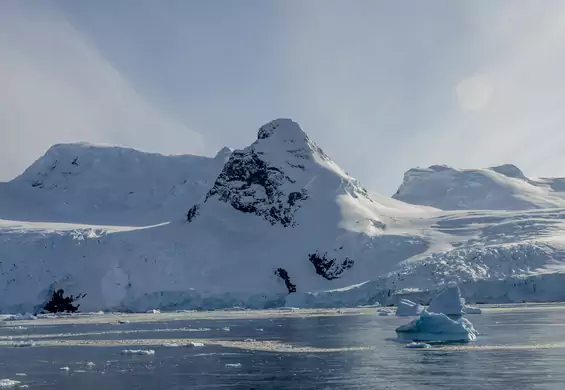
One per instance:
(251, 185)
(329, 268)
(281, 273)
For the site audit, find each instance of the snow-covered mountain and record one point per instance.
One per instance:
(280, 217)
(95, 184)
(504, 187)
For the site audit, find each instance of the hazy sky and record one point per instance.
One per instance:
(381, 86)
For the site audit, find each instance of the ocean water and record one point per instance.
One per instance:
(517, 349)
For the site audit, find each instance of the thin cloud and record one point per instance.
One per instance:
(56, 87)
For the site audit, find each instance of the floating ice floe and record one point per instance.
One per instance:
(67, 369)
(146, 352)
(418, 345)
(437, 327)
(90, 364)
(472, 310)
(23, 344)
(385, 312)
(4, 383)
(154, 311)
(288, 308)
(233, 365)
(448, 302)
(178, 345)
(21, 317)
(408, 308)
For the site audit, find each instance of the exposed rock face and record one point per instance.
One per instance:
(62, 304)
(329, 268)
(192, 213)
(263, 179)
(251, 185)
(281, 273)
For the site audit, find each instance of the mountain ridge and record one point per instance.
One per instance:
(272, 224)
(503, 187)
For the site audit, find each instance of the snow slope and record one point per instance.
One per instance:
(280, 217)
(95, 184)
(498, 188)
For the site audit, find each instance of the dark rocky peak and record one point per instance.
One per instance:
(268, 178)
(275, 175)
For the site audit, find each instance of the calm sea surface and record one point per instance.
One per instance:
(518, 349)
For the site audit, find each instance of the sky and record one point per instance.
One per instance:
(381, 86)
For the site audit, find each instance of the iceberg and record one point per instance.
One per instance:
(408, 308)
(448, 302)
(437, 327)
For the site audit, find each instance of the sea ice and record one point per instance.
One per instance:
(21, 317)
(30, 343)
(472, 310)
(384, 312)
(233, 365)
(437, 327)
(8, 383)
(448, 302)
(418, 345)
(67, 369)
(138, 352)
(408, 308)
(177, 345)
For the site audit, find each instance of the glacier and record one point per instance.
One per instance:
(275, 224)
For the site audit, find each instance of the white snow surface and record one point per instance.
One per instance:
(280, 204)
(448, 302)
(108, 185)
(407, 308)
(502, 187)
(437, 327)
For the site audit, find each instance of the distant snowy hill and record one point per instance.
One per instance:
(278, 224)
(498, 188)
(95, 184)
